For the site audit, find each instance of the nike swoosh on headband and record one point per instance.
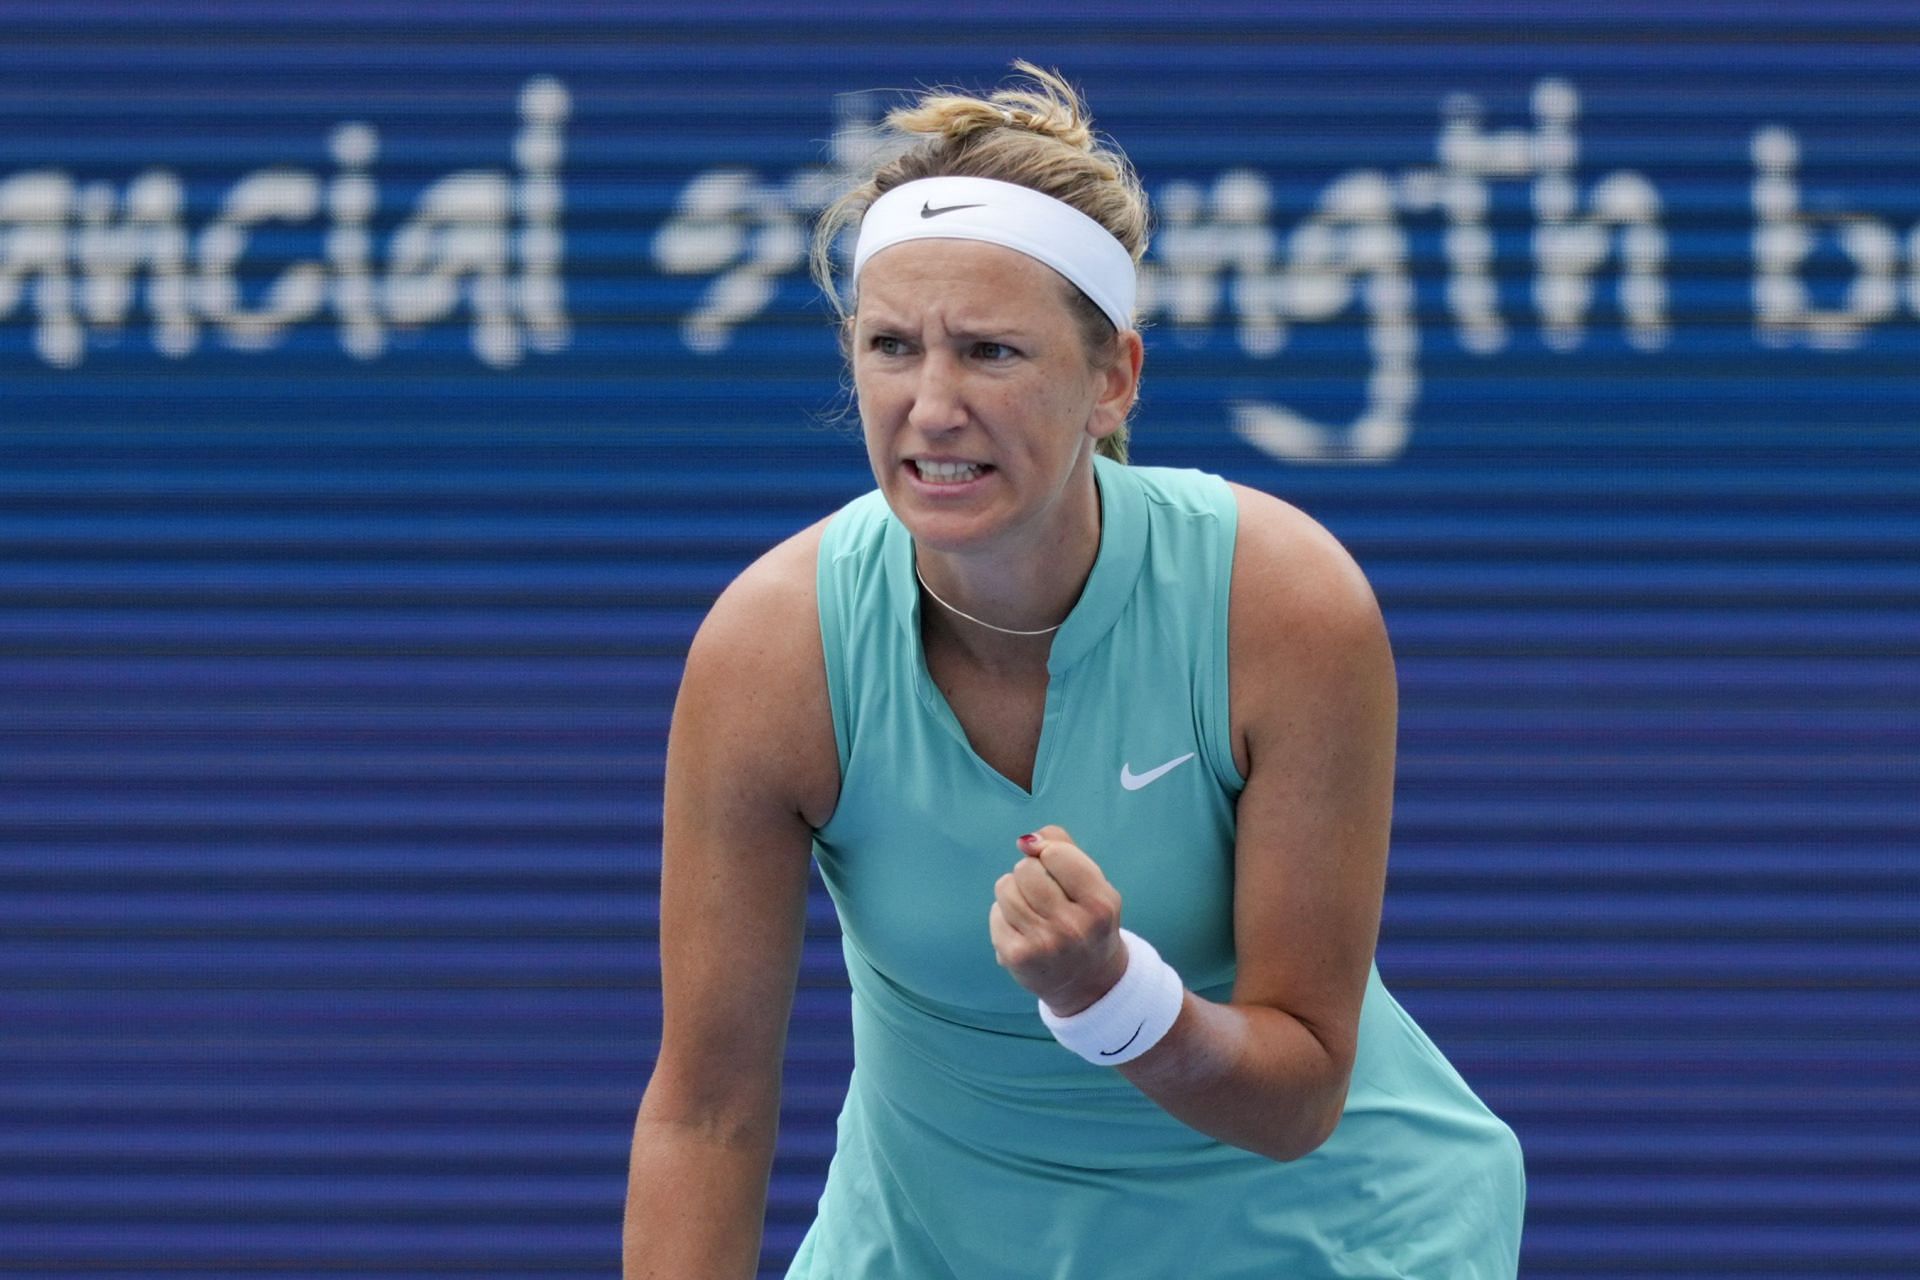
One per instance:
(1134, 781)
(1012, 216)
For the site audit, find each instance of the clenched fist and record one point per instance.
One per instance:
(1055, 923)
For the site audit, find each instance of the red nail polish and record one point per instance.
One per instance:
(1031, 837)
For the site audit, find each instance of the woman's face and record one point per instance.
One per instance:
(978, 402)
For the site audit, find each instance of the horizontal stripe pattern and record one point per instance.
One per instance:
(334, 690)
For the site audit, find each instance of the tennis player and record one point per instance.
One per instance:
(1097, 764)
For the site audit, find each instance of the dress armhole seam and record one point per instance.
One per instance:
(1219, 640)
(832, 645)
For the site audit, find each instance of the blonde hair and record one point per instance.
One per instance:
(1039, 136)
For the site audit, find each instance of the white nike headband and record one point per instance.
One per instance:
(1004, 213)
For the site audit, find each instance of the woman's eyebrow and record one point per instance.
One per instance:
(991, 333)
(972, 331)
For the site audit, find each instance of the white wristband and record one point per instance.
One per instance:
(1131, 1018)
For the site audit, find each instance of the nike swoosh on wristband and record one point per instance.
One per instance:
(927, 212)
(1134, 781)
(1108, 1053)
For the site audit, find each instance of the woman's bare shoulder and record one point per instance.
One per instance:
(776, 589)
(1286, 565)
(1304, 625)
(756, 678)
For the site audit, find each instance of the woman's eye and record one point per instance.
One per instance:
(992, 350)
(887, 346)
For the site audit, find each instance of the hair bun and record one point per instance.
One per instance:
(1050, 108)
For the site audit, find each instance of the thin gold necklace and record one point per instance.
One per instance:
(1005, 631)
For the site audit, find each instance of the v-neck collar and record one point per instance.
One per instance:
(1116, 568)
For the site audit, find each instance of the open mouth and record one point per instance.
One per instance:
(954, 473)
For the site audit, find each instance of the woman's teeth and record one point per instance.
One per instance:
(947, 472)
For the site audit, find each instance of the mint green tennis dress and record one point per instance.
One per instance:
(972, 1146)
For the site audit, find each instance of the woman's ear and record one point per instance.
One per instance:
(1117, 385)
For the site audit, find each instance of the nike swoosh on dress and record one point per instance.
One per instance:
(1134, 781)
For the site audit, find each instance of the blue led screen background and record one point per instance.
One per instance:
(385, 393)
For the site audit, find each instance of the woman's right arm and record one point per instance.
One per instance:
(751, 769)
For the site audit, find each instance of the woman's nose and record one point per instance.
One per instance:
(936, 395)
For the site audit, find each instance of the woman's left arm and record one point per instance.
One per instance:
(1314, 709)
